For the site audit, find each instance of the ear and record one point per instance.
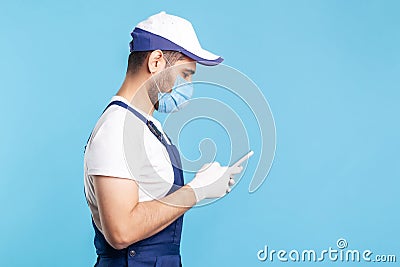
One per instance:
(155, 61)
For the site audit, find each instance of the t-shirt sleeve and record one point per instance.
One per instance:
(105, 153)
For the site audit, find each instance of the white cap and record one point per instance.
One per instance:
(168, 32)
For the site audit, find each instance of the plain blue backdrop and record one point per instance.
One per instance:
(330, 71)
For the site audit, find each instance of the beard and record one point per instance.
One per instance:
(161, 82)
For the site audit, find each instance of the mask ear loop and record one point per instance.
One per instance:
(167, 61)
(170, 65)
(155, 81)
(152, 76)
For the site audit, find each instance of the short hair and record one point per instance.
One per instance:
(136, 59)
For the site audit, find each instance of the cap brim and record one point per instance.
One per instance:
(201, 59)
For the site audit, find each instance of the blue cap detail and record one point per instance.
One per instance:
(147, 41)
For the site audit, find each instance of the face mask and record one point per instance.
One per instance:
(177, 98)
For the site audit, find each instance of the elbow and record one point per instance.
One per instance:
(120, 239)
(117, 243)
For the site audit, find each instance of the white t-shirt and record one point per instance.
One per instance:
(121, 145)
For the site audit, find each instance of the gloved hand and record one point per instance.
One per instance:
(213, 180)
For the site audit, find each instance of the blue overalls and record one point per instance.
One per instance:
(161, 249)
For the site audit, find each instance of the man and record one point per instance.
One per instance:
(132, 172)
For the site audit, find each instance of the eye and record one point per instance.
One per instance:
(185, 75)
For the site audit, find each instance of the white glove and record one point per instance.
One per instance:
(213, 180)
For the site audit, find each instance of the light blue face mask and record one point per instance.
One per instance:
(177, 98)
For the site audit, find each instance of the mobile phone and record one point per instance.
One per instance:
(242, 159)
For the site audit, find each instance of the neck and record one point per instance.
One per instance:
(134, 90)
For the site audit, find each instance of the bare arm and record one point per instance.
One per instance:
(125, 221)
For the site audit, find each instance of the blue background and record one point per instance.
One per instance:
(329, 69)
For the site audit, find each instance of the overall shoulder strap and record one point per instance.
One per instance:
(149, 123)
(126, 106)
